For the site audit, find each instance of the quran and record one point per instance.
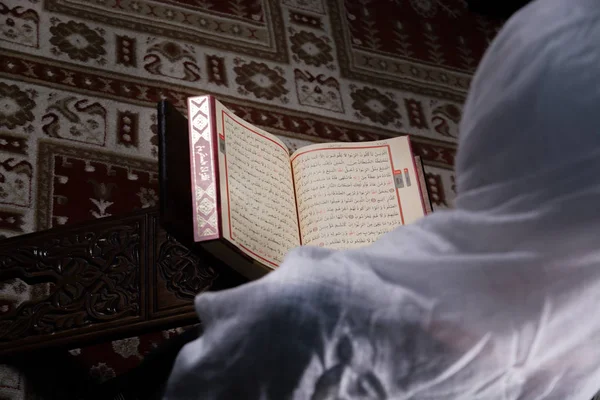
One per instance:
(248, 190)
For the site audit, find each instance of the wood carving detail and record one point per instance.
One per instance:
(92, 276)
(184, 272)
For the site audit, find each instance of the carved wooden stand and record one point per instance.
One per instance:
(105, 279)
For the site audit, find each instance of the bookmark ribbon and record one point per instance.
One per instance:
(222, 144)
(402, 179)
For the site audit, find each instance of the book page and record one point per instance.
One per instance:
(349, 195)
(257, 192)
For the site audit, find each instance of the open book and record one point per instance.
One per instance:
(248, 190)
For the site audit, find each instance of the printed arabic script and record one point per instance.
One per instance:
(346, 196)
(261, 195)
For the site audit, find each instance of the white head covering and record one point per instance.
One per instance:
(496, 299)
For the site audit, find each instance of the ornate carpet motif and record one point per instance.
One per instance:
(88, 73)
(88, 184)
(432, 48)
(79, 81)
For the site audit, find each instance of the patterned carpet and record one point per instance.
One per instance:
(79, 80)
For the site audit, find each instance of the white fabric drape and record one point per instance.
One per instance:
(495, 299)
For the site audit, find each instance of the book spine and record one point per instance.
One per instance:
(203, 168)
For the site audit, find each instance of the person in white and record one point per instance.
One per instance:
(497, 298)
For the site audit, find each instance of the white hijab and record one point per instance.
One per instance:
(496, 299)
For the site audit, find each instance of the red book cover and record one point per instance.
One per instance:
(204, 176)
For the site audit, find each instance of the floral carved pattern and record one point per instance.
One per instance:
(94, 277)
(185, 274)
